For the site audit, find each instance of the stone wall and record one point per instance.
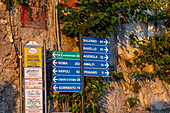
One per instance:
(154, 94)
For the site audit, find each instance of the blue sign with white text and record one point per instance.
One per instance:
(96, 72)
(93, 48)
(96, 64)
(66, 71)
(66, 79)
(67, 87)
(96, 56)
(76, 63)
(65, 62)
(95, 41)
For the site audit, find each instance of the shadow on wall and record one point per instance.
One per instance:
(160, 107)
(8, 98)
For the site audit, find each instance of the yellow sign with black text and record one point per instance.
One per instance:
(33, 57)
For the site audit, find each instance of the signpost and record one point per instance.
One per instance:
(33, 78)
(96, 56)
(93, 60)
(66, 71)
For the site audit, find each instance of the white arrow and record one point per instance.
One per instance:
(106, 42)
(54, 62)
(106, 49)
(107, 73)
(54, 54)
(55, 87)
(106, 57)
(54, 71)
(107, 65)
(54, 79)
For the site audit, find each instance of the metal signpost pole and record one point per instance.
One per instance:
(20, 69)
(82, 74)
(45, 76)
(58, 28)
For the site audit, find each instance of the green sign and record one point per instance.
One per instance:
(65, 55)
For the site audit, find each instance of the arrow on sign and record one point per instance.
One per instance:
(54, 79)
(54, 71)
(107, 65)
(106, 49)
(54, 54)
(54, 62)
(106, 57)
(106, 42)
(107, 73)
(55, 87)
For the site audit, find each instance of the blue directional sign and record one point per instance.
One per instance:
(92, 48)
(66, 79)
(57, 63)
(96, 56)
(96, 72)
(65, 62)
(95, 41)
(66, 87)
(96, 64)
(66, 71)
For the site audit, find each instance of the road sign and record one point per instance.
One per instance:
(94, 48)
(65, 55)
(96, 72)
(66, 62)
(66, 71)
(96, 41)
(67, 87)
(96, 64)
(76, 63)
(66, 79)
(96, 56)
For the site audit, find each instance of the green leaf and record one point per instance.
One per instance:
(104, 89)
(87, 105)
(101, 16)
(71, 29)
(69, 109)
(97, 21)
(107, 85)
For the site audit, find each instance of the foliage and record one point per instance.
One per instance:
(98, 18)
(153, 51)
(94, 88)
(12, 3)
(118, 75)
(132, 101)
(136, 87)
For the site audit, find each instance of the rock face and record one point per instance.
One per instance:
(154, 95)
